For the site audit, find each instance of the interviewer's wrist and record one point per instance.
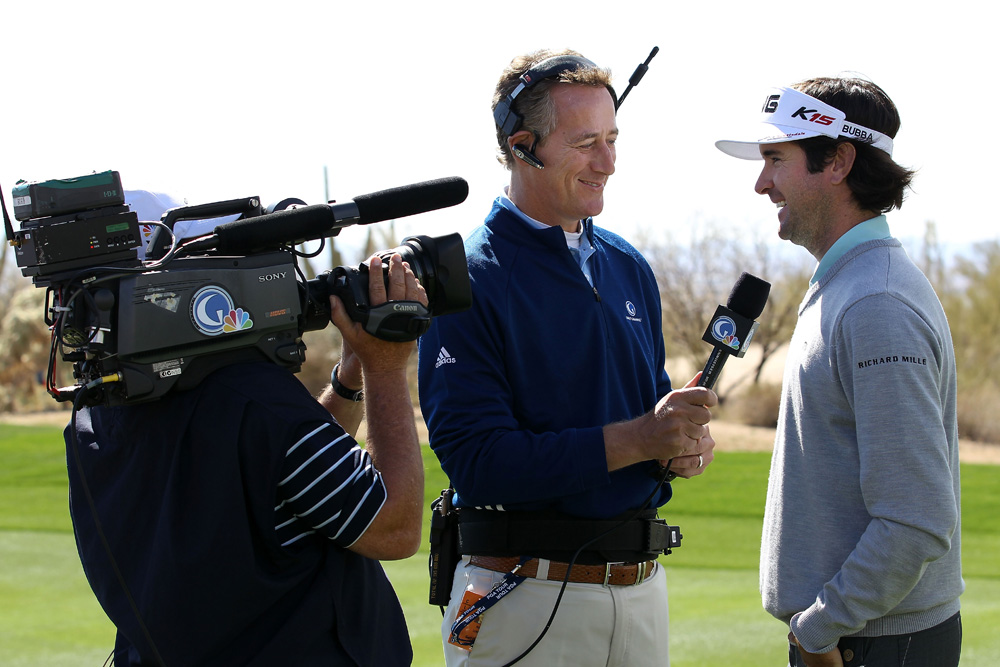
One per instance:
(620, 445)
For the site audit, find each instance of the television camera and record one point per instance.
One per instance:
(135, 327)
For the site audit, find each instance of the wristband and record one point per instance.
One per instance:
(342, 391)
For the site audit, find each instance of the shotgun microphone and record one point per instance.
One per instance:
(293, 226)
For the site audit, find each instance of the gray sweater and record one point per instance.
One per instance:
(862, 525)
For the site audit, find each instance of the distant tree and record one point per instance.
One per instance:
(4, 253)
(969, 289)
(25, 344)
(931, 260)
(693, 279)
(9, 284)
(22, 333)
(974, 314)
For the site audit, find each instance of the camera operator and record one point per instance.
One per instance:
(240, 523)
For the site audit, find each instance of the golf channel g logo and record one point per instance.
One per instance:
(724, 330)
(631, 311)
(213, 312)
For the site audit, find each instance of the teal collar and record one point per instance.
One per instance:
(869, 230)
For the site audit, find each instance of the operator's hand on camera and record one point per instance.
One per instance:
(677, 428)
(376, 354)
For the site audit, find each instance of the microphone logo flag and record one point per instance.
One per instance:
(731, 329)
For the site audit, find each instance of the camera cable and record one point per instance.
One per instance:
(664, 473)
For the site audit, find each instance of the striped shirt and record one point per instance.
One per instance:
(328, 486)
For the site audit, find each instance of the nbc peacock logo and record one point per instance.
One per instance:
(237, 320)
(213, 312)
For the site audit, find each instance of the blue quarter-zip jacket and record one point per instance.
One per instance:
(516, 390)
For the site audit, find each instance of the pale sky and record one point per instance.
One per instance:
(217, 100)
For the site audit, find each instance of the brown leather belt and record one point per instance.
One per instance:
(611, 574)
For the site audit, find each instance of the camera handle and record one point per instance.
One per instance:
(397, 321)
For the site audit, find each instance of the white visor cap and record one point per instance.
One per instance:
(791, 115)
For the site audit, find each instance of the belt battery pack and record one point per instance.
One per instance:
(444, 548)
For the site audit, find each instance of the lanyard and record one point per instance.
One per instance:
(506, 585)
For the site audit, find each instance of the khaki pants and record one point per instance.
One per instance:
(602, 626)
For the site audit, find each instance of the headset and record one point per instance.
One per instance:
(509, 121)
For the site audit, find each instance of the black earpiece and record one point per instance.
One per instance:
(520, 151)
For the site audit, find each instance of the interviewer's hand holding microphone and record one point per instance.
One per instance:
(676, 432)
(701, 454)
(676, 429)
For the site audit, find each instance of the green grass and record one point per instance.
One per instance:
(49, 616)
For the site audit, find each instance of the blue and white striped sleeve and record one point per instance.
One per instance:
(329, 486)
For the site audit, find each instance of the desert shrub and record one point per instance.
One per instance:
(25, 341)
(755, 405)
(977, 412)
(973, 308)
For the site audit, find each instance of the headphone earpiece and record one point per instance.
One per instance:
(520, 151)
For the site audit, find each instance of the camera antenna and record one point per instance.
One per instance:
(6, 220)
(637, 75)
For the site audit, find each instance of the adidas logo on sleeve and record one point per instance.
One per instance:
(444, 358)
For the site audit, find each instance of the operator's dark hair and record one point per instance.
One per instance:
(876, 181)
(534, 104)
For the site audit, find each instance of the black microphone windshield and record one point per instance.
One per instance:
(749, 296)
(411, 199)
(730, 332)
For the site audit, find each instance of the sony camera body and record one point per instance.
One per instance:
(135, 329)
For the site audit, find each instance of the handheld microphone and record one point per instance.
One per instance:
(730, 331)
(297, 225)
(733, 326)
